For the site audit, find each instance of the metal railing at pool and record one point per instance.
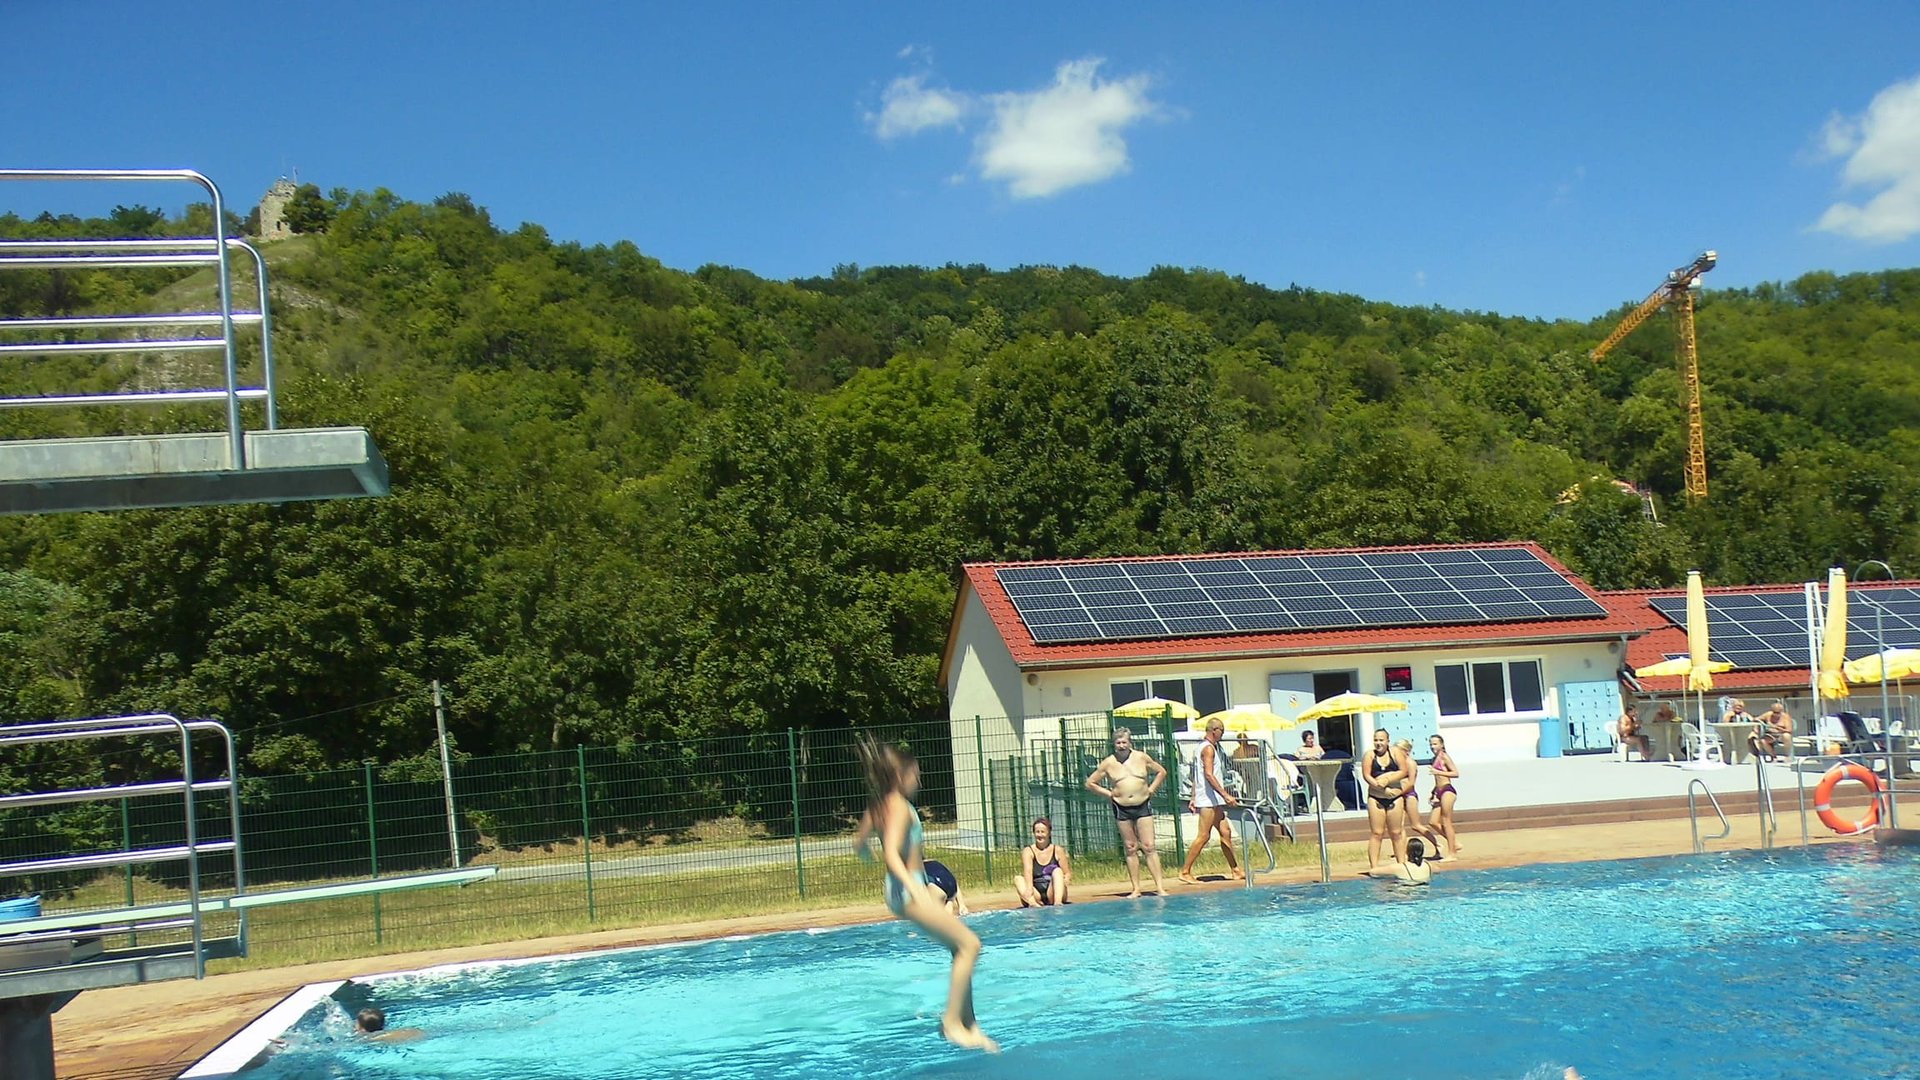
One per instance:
(157, 253)
(1693, 815)
(78, 943)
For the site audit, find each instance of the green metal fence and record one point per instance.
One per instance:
(600, 837)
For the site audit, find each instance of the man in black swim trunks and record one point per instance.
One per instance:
(1135, 778)
(944, 883)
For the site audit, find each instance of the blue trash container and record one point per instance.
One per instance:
(1553, 736)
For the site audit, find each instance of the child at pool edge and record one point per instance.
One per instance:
(894, 778)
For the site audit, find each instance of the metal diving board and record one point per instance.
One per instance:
(214, 904)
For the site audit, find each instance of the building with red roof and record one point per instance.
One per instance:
(1495, 687)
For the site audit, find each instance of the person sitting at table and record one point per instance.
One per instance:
(1631, 734)
(1737, 713)
(1773, 739)
(1310, 748)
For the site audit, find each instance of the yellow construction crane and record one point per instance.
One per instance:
(1678, 291)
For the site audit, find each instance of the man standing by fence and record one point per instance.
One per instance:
(1136, 778)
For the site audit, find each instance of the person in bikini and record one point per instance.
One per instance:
(1044, 874)
(1211, 800)
(894, 779)
(1445, 772)
(1385, 771)
(1416, 823)
(1134, 778)
(1415, 871)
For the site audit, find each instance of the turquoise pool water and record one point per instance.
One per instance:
(1796, 963)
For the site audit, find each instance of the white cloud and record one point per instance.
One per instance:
(1419, 279)
(1882, 150)
(1063, 135)
(908, 105)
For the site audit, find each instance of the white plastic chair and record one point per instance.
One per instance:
(1690, 743)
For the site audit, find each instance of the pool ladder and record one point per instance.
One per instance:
(1693, 816)
(1254, 816)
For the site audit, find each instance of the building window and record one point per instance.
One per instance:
(1208, 693)
(1490, 688)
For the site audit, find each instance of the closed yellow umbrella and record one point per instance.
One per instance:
(1343, 704)
(1151, 708)
(1700, 664)
(1246, 718)
(1900, 664)
(1833, 647)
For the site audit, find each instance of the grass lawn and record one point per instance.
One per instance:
(556, 898)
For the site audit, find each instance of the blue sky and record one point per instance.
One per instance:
(1503, 158)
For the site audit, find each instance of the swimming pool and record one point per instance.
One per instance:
(1786, 964)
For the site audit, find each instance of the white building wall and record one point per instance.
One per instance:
(1082, 690)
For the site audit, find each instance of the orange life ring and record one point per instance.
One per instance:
(1823, 799)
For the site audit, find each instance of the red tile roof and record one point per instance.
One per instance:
(1027, 653)
(1663, 639)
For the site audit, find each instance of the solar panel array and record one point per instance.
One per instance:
(1769, 630)
(1167, 598)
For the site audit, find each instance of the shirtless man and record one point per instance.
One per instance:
(1774, 737)
(1133, 778)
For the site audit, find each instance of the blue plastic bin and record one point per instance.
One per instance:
(24, 907)
(1553, 736)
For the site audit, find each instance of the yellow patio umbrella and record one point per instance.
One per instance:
(1833, 647)
(1679, 665)
(1697, 665)
(1900, 664)
(1350, 702)
(1152, 708)
(1700, 663)
(1246, 718)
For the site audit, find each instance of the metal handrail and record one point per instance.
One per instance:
(186, 786)
(1693, 815)
(150, 252)
(1885, 799)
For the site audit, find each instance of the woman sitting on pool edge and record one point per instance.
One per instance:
(894, 777)
(1044, 874)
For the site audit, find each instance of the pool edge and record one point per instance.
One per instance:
(249, 1043)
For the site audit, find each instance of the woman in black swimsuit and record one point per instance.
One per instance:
(1386, 772)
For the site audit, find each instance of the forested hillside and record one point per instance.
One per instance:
(634, 503)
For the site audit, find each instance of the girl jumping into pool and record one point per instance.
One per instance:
(894, 776)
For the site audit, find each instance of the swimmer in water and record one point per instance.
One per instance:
(372, 1023)
(894, 778)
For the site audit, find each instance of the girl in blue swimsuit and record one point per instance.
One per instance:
(895, 779)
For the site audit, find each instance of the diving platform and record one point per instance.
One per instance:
(144, 357)
(133, 472)
(46, 959)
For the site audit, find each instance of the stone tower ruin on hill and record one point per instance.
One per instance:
(273, 210)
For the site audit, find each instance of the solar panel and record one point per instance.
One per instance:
(1170, 598)
(1769, 630)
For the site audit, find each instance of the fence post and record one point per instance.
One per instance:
(793, 785)
(373, 854)
(1172, 762)
(986, 825)
(1068, 804)
(1046, 789)
(586, 828)
(126, 844)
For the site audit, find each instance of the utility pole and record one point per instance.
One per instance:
(446, 775)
